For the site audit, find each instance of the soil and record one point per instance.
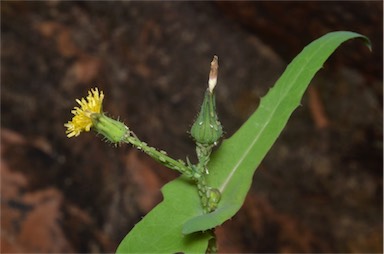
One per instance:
(318, 190)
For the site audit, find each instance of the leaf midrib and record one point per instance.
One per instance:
(245, 154)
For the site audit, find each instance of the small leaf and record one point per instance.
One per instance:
(160, 230)
(232, 166)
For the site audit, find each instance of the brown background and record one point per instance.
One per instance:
(318, 190)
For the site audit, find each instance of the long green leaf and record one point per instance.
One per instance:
(232, 166)
(160, 230)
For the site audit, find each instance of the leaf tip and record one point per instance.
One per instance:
(367, 42)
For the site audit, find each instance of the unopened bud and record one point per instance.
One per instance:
(214, 197)
(207, 129)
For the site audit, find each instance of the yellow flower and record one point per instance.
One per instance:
(82, 120)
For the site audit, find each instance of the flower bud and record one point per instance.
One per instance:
(214, 197)
(207, 129)
(112, 130)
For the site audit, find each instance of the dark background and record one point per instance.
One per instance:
(318, 190)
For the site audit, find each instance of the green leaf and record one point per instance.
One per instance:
(160, 230)
(232, 166)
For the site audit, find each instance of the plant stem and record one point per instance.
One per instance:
(160, 156)
(212, 246)
(203, 153)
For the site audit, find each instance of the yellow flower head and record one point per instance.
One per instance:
(82, 120)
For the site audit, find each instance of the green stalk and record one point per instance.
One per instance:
(160, 156)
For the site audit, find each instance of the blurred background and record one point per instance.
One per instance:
(318, 190)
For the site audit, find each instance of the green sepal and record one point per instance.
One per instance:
(207, 129)
(113, 130)
(214, 197)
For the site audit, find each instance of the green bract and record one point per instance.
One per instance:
(113, 130)
(207, 129)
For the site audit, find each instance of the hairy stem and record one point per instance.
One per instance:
(160, 156)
